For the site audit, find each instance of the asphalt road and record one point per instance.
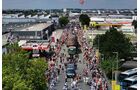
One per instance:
(80, 67)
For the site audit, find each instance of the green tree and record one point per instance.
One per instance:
(109, 65)
(21, 85)
(113, 41)
(36, 74)
(21, 73)
(13, 48)
(84, 19)
(134, 23)
(63, 21)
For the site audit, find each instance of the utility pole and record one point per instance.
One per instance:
(116, 74)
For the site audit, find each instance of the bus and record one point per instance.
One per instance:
(129, 81)
(127, 74)
(133, 87)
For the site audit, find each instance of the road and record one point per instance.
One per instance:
(80, 67)
(97, 77)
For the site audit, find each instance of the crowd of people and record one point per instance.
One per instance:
(54, 70)
(91, 74)
(97, 82)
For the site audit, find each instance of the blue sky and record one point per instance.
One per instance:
(52, 4)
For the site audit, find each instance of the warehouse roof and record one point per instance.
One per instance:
(36, 27)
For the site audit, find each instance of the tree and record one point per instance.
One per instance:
(134, 23)
(35, 74)
(21, 73)
(63, 21)
(113, 41)
(109, 65)
(84, 19)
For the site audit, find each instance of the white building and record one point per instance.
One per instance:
(97, 19)
(134, 17)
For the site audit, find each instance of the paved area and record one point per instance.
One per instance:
(80, 67)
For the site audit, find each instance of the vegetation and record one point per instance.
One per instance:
(84, 19)
(109, 65)
(21, 73)
(113, 41)
(134, 23)
(63, 21)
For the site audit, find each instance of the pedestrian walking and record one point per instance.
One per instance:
(62, 69)
(65, 78)
(58, 71)
(60, 66)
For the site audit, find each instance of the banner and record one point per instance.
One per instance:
(113, 84)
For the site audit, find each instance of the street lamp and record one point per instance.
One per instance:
(117, 65)
(98, 42)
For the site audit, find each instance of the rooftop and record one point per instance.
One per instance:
(133, 86)
(36, 27)
(15, 26)
(130, 71)
(133, 78)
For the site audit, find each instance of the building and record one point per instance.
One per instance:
(40, 31)
(122, 22)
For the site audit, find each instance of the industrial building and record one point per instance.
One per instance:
(122, 22)
(40, 31)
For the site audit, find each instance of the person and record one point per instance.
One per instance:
(65, 88)
(86, 79)
(73, 84)
(60, 59)
(65, 78)
(62, 69)
(57, 78)
(92, 87)
(87, 65)
(60, 66)
(51, 87)
(58, 71)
